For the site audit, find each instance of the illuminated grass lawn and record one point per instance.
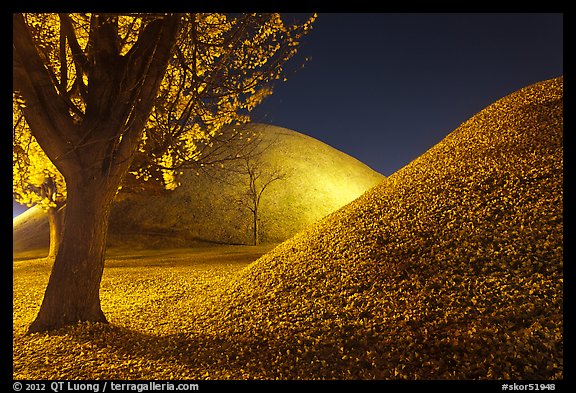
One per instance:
(153, 301)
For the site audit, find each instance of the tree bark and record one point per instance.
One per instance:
(93, 154)
(73, 291)
(255, 227)
(55, 222)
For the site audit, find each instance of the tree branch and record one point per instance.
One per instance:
(45, 110)
(63, 60)
(103, 64)
(78, 57)
(153, 73)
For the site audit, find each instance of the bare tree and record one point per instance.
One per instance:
(238, 160)
(260, 175)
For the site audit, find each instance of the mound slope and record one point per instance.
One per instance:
(452, 268)
(318, 180)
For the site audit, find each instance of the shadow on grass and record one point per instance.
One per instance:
(223, 357)
(218, 356)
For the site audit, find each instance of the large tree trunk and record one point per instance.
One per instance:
(92, 152)
(73, 291)
(55, 221)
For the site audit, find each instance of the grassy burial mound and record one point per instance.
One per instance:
(211, 206)
(30, 230)
(316, 180)
(452, 268)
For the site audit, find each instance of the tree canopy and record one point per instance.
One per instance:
(221, 68)
(107, 96)
(35, 180)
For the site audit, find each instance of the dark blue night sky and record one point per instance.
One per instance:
(386, 87)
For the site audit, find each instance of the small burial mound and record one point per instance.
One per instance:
(213, 206)
(451, 269)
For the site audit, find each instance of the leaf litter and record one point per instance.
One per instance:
(452, 268)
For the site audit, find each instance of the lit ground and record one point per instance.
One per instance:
(453, 268)
(153, 300)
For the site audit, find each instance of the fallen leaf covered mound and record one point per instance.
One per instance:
(451, 269)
